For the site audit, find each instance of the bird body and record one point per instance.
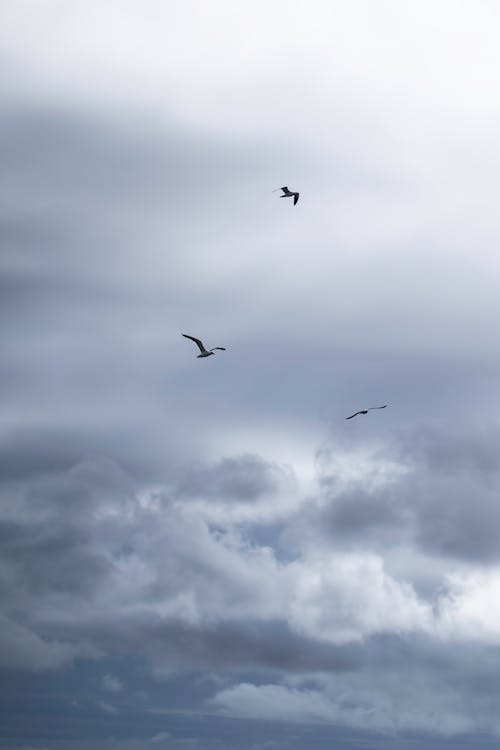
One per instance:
(289, 194)
(203, 352)
(365, 411)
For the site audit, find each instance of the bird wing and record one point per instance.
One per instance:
(198, 343)
(354, 415)
(295, 198)
(286, 191)
(220, 348)
(377, 407)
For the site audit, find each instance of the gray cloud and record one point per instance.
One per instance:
(443, 499)
(24, 649)
(175, 609)
(243, 478)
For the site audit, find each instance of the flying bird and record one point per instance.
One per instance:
(199, 344)
(365, 411)
(288, 194)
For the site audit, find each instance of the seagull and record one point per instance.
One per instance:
(365, 411)
(288, 194)
(199, 344)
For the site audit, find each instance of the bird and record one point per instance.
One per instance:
(199, 344)
(288, 194)
(365, 411)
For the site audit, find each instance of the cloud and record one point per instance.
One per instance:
(287, 704)
(471, 608)
(162, 516)
(112, 568)
(160, 737)
(429, 491)
(107, 707)
(22, 648)
(112, 684)
(244, 478)
(343, 598)
(273, 702)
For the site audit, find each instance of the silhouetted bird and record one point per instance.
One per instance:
(199, 344)
(365, 411)
(288, 194)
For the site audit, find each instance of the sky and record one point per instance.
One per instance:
(204, 553)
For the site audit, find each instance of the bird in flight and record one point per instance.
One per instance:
(199, 344)
(365, 411)
(288, 194)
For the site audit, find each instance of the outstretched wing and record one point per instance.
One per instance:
(377, 407)
(198, 343)
(354, 415)
(295, 198)
(220, 348)
(286, 191)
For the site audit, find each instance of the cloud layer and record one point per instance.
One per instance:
(205, 553)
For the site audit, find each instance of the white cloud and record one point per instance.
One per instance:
(341, 598)
(160, 737)
(112, 684)
(108, 708)
(273, 702)
(374, 711)
(372, 57)
(470, 610)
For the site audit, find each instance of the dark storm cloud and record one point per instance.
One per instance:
(51, 557)
(444, 499)
(43, 562)
(29, 452)
(225, 647)
(88, 564)
(69, 537)
(243, 478)
(458, 450)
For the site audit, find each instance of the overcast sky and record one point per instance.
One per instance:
(205, 553)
